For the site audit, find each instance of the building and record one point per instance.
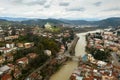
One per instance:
(32, 55)
(6, 77)
(22, 62)
(17, 73)
(48, 52)
(28, 45)
(4, 69)
(20, 45)
(9, 57)
(2, 59)
(48, 26)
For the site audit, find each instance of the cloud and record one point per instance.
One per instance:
(1, 9)
(97, 3)
(112, 9)
(46, 6)
(30, 2)
(75, 9)
(64, 4)
(60, 8)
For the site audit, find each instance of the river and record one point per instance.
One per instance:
(66, 70)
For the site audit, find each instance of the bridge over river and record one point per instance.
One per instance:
(74, 58)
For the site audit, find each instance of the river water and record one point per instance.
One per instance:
(66, 70)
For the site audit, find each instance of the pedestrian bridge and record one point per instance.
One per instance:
(74, 58)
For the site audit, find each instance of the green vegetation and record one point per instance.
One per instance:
(118, 33)
(55, 29)
(40, 43)
(98, 54)
(2, 44)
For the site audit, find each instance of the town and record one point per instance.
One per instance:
(102, 61)
(59, 39)
(30, 52)
(25, 56)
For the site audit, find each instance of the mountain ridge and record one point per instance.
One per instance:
(113, 21)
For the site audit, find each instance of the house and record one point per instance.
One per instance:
(7, 38)
(101, 63)
(17, 73)
(9, 57)
(100, 47)
(106, 77)
(114, 48)
(66, 34)
(32, 55)
(61, 51)
(20, 45)
(98, 41)
(4, 69)
(28, 45)
(11, 66)
(90, 58)
(36, 30)
(22, 62)
(53, 62)
(10, 45)
(34, 76)
(48, 52)
(62, 47)
(1, 38)
(2, 59)
(16, 70)
(5, 50)
(108, 33)
(14, 37)
(6, 77)
(75, 77)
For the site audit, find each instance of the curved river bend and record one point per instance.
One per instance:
(66, 70)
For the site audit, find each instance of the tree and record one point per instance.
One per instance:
(13, 31)
(1, 53)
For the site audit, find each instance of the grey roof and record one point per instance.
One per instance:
(4, 68)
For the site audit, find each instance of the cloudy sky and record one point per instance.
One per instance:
(69, 9)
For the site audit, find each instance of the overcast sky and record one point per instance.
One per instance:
(69, 9)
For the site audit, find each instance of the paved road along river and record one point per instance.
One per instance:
(66, 70)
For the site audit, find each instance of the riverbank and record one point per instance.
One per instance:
(65, 73)
(69, 65)
(73, 45)
(66, 70)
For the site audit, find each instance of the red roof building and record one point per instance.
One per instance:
(6, 77)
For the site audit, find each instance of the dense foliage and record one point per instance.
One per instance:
(40, 44)
(99, 54)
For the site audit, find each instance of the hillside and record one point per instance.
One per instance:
(115, 21)
(42, 22)
(101, 23)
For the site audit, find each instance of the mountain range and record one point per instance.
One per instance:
(14, 19)
(113, 21)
